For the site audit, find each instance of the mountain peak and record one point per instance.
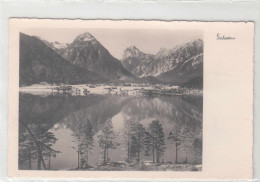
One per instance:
(85, 37)
(131, 51)
(133, 48)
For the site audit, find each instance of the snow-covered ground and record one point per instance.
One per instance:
(145, 166)
(114, 90)
(36, 89)
(136, 90)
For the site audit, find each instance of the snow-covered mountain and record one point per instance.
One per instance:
(178, 65)
(40, 63)
(169, 65)
(57, 45)
(87, 53)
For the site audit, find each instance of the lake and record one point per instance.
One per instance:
(61, 116)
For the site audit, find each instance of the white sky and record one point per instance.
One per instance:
(117, 40)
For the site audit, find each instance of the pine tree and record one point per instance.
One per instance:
(106, 139)
(186, 143)
(127, 136)
(155, 140)
(27, 149)
(148, 143)
(197, 145)
(133, 147)
(83, 142)
(140, 138)
(43, 141)
(88, 141)
(46, 139)
(175, 137)
(77, 141)
(133, 138)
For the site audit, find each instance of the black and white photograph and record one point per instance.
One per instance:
(110, 99)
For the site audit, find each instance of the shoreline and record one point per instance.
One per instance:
(110, 89)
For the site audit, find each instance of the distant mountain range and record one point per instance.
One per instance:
(176, 65)
(86, 60)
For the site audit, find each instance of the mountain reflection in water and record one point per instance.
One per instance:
(63, 115)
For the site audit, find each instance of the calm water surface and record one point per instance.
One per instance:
(62, 115)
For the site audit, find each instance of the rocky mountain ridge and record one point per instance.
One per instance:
(141, 64)
(176, 65)
(89, 57)
(40, 63)
(89, 54)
